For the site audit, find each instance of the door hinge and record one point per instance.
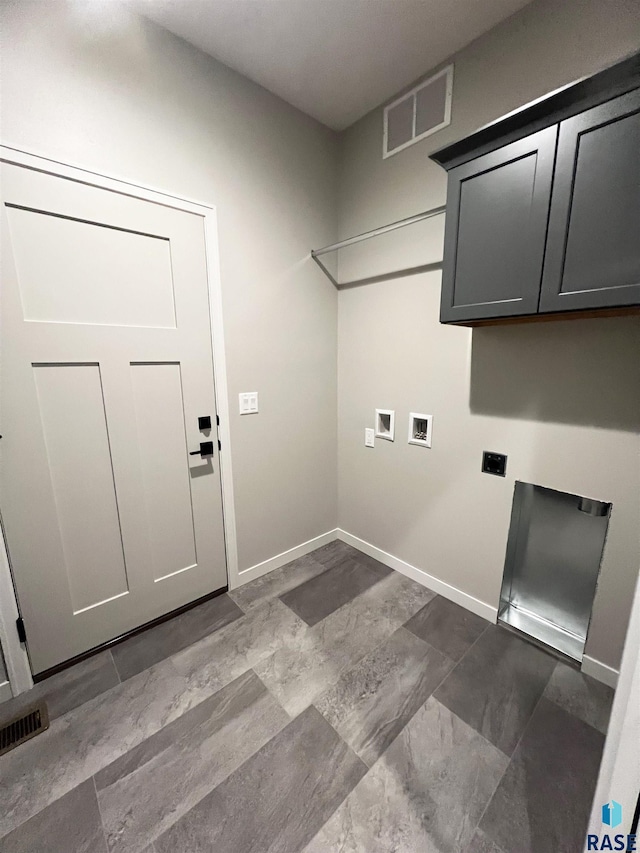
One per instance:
(217, 422)
(219, 445)
(22, 634)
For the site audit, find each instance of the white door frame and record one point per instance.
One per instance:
(15, 655)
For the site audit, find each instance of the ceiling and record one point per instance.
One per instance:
(333, 59)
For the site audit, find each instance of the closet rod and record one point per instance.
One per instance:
(410, 220)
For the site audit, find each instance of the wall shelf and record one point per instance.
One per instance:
(376, 232)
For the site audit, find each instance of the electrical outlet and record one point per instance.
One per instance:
(248, 403)
(494, 463)
(369, 440)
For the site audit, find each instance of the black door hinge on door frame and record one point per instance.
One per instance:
(22, 635)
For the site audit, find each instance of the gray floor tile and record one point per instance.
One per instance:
(447, 626)
(480, 843)
(68, 689)
(544, 799)
(426, 793)
(191, 756)
(497, 685)
(317, 598)
(277, 800)
(337, 552)
(302, 669)
(85, 740)
(197, 752)
(277, 582)
(142, 651)
(223, 656)
(69, 825)
(334, 553)
(588, 699)
(373, 701)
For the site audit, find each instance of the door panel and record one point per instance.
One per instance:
(497, 210)
(86, 508)
(107, 364)
(595, 261)
(120, 278)
(157, 393)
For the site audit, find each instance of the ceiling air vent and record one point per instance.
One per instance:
(418, 113)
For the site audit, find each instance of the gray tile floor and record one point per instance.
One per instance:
(332, 706)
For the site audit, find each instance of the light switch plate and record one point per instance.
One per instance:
(248, 402)
(369, 438)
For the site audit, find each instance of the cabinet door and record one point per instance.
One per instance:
(497, 211)
(593, 247)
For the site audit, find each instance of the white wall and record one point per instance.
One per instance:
(562, 399)
(89, 84)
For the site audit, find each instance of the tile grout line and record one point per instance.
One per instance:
(375, 648)
(207, 793)
(277, 595)
(490, 800)
(102, 826)
(509, 757)
(325, 569)
(444, 677)
(385, 640)
(343, 672)
(515, 749)
(253, 755)
(290, 716)
(369, 651)
(457, 663)
(120, 682)
(273, 696)
(430, 696)
(101, 696)
(362, 566)
(115, 667)
(367, 770)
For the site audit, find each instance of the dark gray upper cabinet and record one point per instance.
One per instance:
(543, 206)
(593, 247)
(497, 211)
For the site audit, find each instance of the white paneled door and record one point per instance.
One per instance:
(106, 368)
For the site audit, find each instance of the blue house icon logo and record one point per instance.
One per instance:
(612, 814)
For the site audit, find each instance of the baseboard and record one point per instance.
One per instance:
(600, 671)
(590, 666)
(434, 584)
(5, 692)
(272, 563)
